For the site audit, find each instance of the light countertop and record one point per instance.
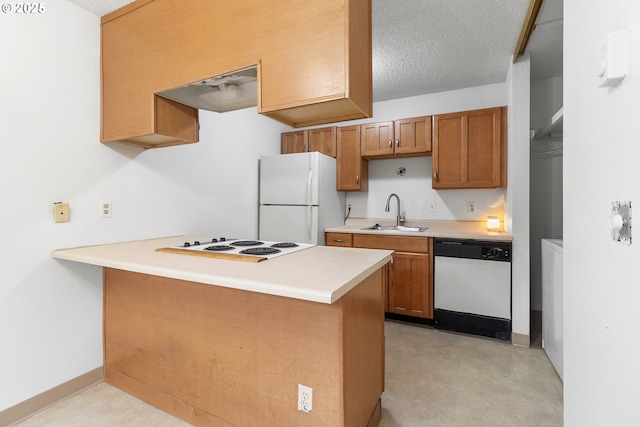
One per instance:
(435, 228)
(320, 274)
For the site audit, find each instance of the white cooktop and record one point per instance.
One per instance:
(247, 247)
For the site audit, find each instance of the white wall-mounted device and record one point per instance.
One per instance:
(613, 58)
(620, 222)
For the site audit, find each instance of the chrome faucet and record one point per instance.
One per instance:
(386, 208)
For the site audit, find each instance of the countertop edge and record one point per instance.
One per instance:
(475, 230)
(272, 284)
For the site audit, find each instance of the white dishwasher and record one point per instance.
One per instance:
(472, 287)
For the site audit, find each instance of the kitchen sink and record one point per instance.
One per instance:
(404, 228)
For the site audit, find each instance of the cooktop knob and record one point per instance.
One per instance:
(214, 240)
(186, 244)
(223, 239)
(196, 243)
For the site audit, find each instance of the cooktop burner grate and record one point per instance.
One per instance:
(260, 251)
(247, 243)
(219, 248)
(285, 245)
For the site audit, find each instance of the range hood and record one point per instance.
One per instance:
(228, 92)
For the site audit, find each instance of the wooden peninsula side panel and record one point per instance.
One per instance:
(215, 356)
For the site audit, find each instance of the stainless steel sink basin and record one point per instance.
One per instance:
(404, 228)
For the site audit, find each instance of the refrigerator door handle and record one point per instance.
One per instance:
(310, 223)
(309, 180)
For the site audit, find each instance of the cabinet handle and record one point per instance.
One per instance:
(338, 240)
(435, 175)
(397, 142)
(390, 143)
(357, 179)
(391, 263)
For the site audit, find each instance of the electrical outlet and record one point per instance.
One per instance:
(471, 207)
(432, 206)
(305, 398)
(106, 208)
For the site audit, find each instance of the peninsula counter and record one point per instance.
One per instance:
(226, 343)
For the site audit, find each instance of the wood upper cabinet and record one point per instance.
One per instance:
(352, 169)
(469, 149)
(376, 139)
(413, 135)
(409, 288)
(405, 138)
(322, 140)
(150, 46)
(294, 142)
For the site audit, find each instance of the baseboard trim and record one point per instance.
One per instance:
(520, 340)
(44, 400)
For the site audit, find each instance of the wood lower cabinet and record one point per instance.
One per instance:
(322, 140)
(198, 350)
(352, 169)
(410, 291)
(469, 149)
(339, 239)
(409, 277)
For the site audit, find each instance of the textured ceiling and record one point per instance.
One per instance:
(440, 45)
(427, 46)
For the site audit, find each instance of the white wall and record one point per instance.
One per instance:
(545, 178)
(51, 310)
(601, 277)
(414, 188)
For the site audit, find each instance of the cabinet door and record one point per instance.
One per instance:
(294, 142)
(338, 239)
(410, 290)
(323, 140)
(413, 135)
(468, 149)
(352, 170)
(377, 139)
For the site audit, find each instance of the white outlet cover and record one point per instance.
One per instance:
(305, 398)
(106, 208)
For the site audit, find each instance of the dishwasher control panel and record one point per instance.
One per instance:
(473, 249)
(496, 253)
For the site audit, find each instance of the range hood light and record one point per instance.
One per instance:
(229, 91)
(226, 92)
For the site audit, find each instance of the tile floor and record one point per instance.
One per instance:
(433, 378)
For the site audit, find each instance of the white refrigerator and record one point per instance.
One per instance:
(298, 198)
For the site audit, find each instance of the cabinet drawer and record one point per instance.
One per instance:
(397, 243)
(339, 239)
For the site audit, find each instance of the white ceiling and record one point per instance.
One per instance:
(428, 46)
